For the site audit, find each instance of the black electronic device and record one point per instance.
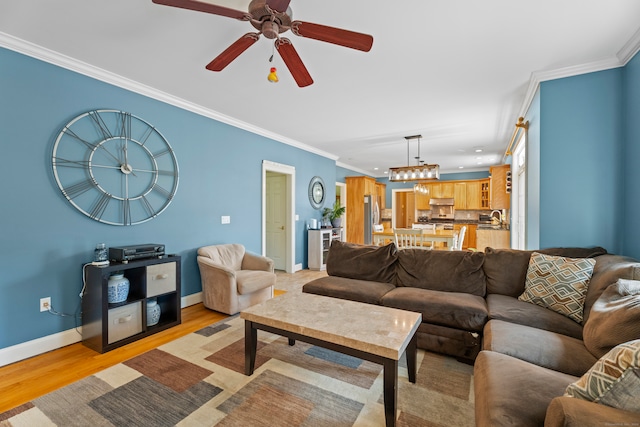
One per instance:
(125, 254)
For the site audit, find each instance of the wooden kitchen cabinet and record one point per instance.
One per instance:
(474, 195)
(357, 188)
(442, 190)
(500, 198)
(484, 193)
(422, 200)
(469, 235)
(460, 195)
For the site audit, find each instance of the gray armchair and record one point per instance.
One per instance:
(233, 279)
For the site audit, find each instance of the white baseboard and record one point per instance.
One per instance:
(297, 267)
(38, 346)
(192, 299)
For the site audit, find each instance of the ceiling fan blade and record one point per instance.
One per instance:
(202, 6)
(233, 51)
(278, 5)
(293, 62)
(333, 35)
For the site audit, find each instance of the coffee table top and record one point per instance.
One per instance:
(370, 328)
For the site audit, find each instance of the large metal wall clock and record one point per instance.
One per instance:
(115, 167)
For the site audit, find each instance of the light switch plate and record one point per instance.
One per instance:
(226, 219)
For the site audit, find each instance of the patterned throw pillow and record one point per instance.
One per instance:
(614, 380)
(558, 283)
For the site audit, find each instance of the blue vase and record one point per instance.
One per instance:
(117, 288)
(153, 312)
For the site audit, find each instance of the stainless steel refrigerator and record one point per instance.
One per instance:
(371, 217)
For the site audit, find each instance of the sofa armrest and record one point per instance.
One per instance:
(257, 262)
(566, 411)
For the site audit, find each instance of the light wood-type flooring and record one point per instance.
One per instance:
(26, 380)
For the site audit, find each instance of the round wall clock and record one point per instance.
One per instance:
(115, 167)
(316, 192)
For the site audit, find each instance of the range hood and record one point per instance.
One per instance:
(441, 202)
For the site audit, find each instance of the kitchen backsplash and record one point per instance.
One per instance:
(458, 215)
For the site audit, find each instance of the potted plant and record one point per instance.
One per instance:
(334, 214)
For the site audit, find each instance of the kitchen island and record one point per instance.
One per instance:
(497, 237)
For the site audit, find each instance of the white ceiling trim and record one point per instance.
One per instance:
(621, 59)
(630, 48)
(353, 168)
(55, 58)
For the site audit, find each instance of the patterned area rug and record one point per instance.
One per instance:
(198, 380)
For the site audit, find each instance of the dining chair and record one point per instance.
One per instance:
(426, 229)
(458, 240)
(409, 238)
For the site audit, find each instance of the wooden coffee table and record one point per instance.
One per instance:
(369, 332)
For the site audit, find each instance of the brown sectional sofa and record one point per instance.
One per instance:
(469, 302)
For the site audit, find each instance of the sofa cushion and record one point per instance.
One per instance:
(453, 271)
(452, 341)
(614, 318)
(375, 263)
(506, 269)
(558, 283)
(452, 309)
(614, 380)
(511, 392)
(351, 289)
(509, 309)
(542, 348)
(608, 269)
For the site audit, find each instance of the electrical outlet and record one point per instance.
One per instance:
(45, 304)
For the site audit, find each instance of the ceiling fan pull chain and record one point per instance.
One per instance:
(273, 50)
(273, 73)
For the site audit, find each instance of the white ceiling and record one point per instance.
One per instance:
(458, 72)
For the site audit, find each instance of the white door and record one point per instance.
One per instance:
(276, 204)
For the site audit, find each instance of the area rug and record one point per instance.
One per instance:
(198, 380)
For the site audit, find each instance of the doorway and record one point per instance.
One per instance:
(278, 214)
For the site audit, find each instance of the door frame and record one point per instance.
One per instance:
(343, 202)
(290, 220)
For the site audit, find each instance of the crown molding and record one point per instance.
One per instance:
(624, 55)
(538, 77)
(630, 48)
(38, 52)
(355, 169)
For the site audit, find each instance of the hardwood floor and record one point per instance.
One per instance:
(26, 380)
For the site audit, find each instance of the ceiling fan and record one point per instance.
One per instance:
(271, 18)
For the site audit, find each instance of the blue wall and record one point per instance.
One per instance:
(581, 177)
(45, 241)
(631, 187)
